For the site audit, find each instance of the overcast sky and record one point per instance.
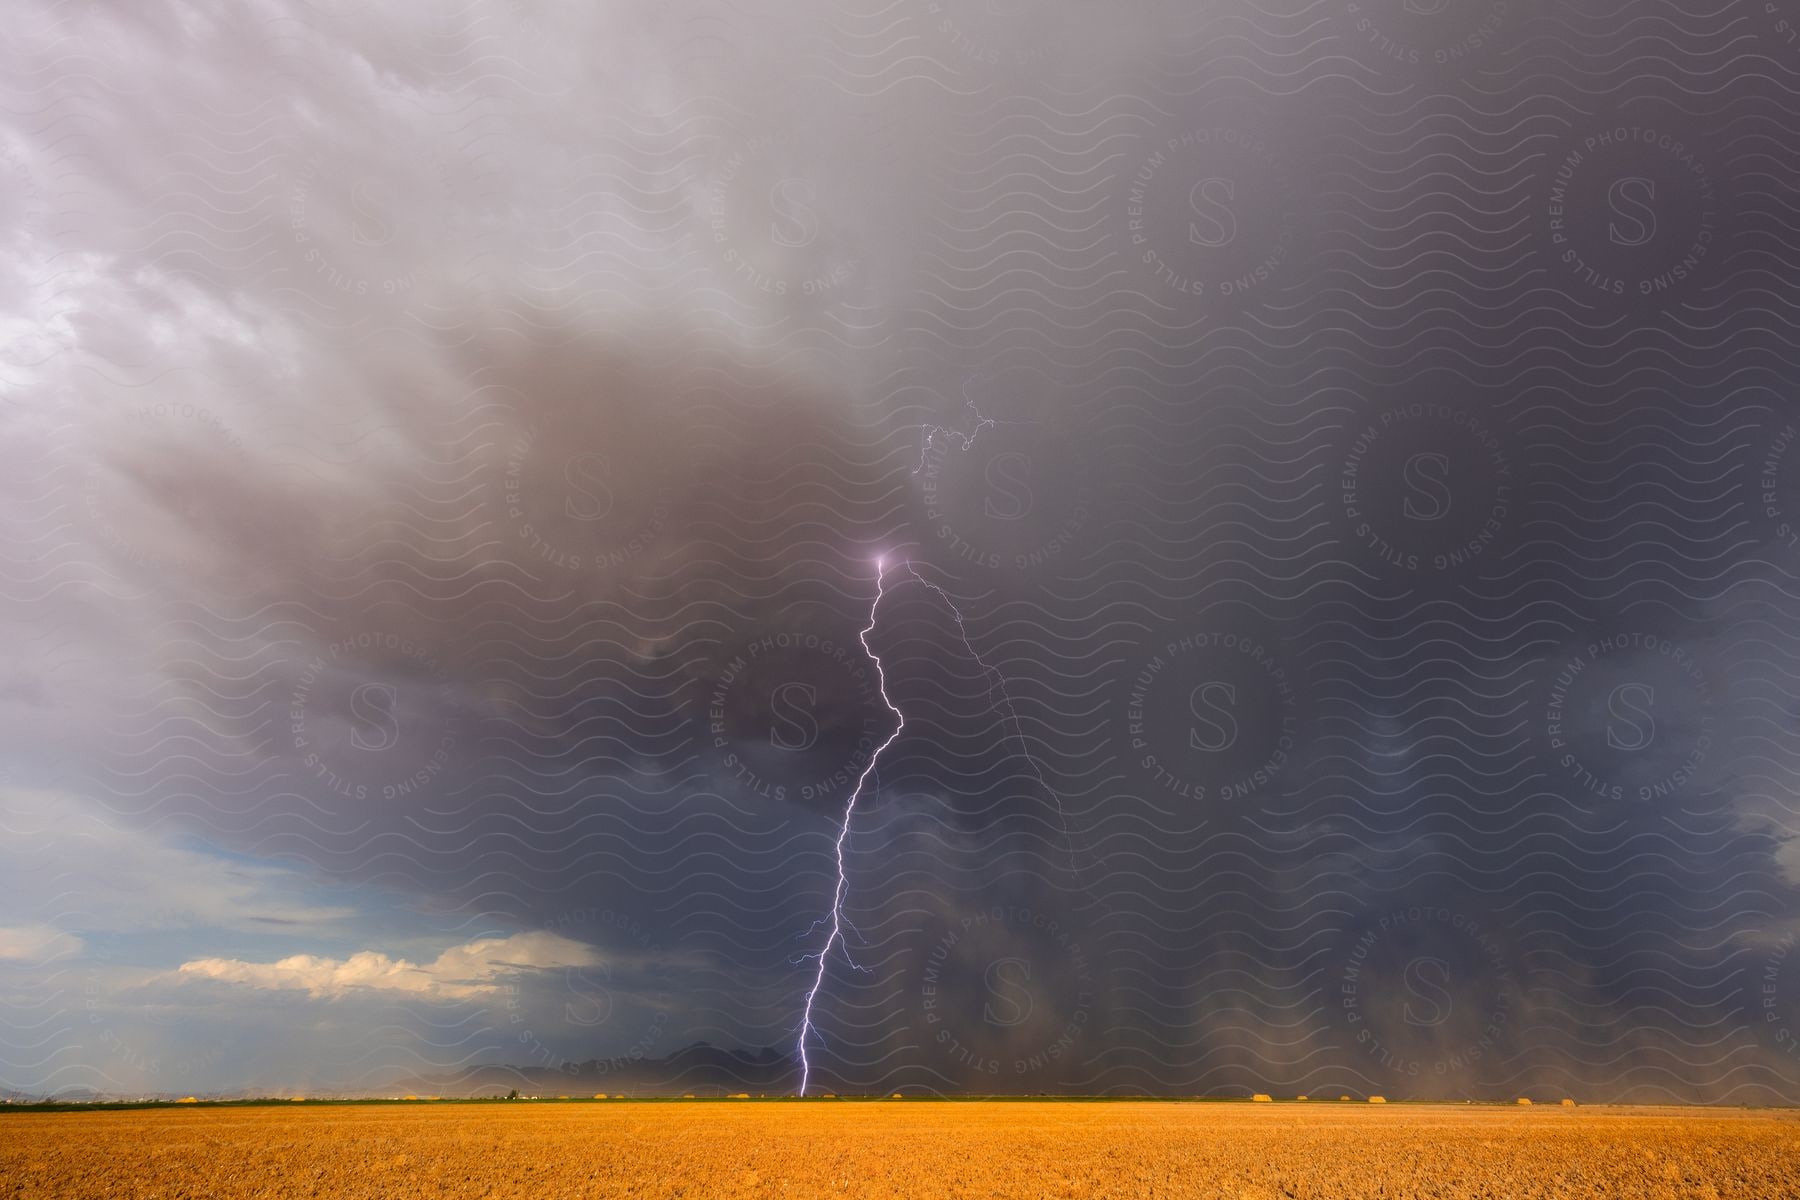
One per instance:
(1327, 470)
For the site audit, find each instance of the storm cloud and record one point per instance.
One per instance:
(1315, 478)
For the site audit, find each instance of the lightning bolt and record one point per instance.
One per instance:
(927, 438)
(931, 433)
(836, 918)
(998, 679)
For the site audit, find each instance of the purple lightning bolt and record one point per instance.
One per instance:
(930, 434)
(837, 897)
(997, 679)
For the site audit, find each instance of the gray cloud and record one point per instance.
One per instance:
(449, 447)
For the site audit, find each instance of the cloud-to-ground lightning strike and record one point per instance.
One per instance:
(837, 897)
(835, 919)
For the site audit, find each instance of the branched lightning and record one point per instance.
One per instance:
(836, 917)
(998, 679)
(928, 437)
(931, 433)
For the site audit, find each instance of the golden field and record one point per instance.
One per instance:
(912, 1148)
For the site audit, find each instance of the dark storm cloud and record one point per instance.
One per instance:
(1329, 463)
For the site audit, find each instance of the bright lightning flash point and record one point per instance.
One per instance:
(837, 896)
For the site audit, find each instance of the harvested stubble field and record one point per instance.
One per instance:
(912, 1148)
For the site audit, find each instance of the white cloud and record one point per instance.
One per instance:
(472, 971)
(108, 879)
(36, 944)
